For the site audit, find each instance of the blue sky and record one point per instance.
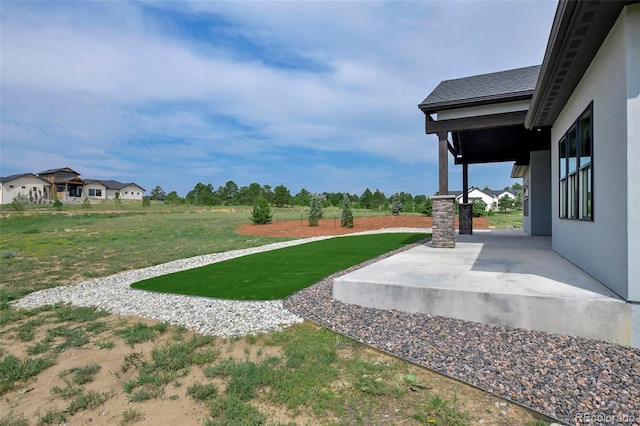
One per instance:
(315, 95)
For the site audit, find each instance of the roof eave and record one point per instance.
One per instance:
(429, 108)
(578, 31)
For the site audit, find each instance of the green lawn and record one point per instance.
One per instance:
(278, 273)
(511, 219)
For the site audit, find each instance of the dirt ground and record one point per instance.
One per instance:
(35, 398)
(298, 229)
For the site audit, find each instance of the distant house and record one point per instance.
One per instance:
(65, 184)
(490, 197)
(31, 187)
(111, 189)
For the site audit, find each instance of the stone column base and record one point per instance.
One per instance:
(444, 225)
(466, 218)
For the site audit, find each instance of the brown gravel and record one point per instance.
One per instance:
(297, 229)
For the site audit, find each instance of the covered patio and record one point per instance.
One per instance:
(484, 117)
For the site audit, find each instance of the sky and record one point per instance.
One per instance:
(320, 95)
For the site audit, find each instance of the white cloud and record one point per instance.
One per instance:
(106, 86)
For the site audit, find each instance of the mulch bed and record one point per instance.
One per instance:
(331, 226)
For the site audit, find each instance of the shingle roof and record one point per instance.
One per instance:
(113, 184)
(4, 179)
(109, 184)
(497, 86)
(50, 171)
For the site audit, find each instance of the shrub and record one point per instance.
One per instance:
(346, 220)
(261, 211)
(479, 208)
(18, 202)
(146, 202)
(316, 211)
(396, 206)
(86, 204)
(57, 204)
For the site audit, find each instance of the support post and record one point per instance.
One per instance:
(465, 183)
(444, 213)
(465, 215)
(443, 164)
(444, 226)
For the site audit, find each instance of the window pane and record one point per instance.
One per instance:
(573, 150)
(585, 139)
(573, 196)
(563, 198)
(563, 158)
(586, 195)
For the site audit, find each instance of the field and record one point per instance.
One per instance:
(81, 365)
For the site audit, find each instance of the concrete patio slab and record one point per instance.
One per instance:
(505, 278)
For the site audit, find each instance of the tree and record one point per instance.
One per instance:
(281, 196)
(516, 186)
(303, 198)
(227, 192)
(366, 200)
(505, 202)
(316, 211)
(379, 199)
(261, 211)
(346, 219)
(158, 193)
(268, 193)
(202, 195)
(173, 198)
(517, 203)
(479, 208)
(406, 199)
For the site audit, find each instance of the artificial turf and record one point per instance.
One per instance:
(278, 273)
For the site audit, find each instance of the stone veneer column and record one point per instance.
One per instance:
(444, 214)
(466, 218)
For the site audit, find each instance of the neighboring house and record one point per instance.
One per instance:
(490, 197)
(34, 189)
(65, 184)
(111, 189)
(572, 128)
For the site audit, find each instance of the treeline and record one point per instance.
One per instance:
(233, 195)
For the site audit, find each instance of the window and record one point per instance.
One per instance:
(95, 192)
(575, 157)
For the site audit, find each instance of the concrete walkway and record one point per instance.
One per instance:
(505, 278)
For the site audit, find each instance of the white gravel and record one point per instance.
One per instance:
(206, 315)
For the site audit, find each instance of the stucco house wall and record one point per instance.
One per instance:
(611, 82)
(131, 192)
(21, 185)
(537, 184)
(96, 191)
